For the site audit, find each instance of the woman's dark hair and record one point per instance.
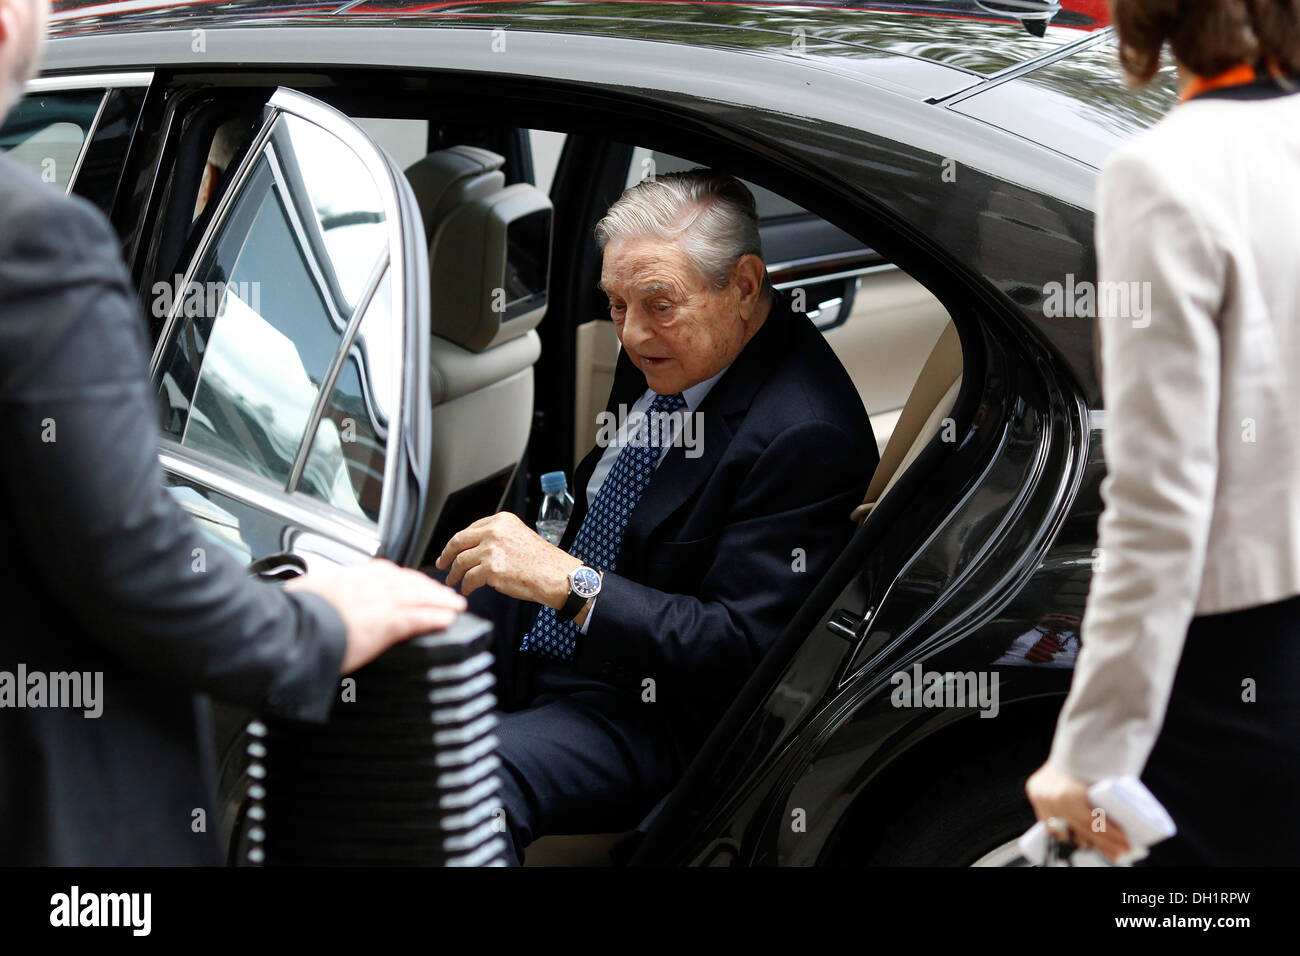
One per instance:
(1207, 36)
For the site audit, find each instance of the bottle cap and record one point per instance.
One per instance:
(553, 482)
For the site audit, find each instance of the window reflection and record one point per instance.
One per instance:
(349, 217)
(345, 467)
(260, 324)
(1092, 84)
(45, 132)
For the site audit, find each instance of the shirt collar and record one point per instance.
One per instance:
(694, 395)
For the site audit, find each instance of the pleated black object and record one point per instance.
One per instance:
(404, 774)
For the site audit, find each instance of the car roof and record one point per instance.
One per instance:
(980, 38)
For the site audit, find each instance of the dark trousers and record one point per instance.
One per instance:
(1226, 768)
(577, 755)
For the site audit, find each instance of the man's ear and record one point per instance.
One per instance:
(749, 273)
(8, 23)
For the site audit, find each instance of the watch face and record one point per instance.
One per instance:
(585, 581)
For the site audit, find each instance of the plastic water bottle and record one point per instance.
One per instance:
(557, 506)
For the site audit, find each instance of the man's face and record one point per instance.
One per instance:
(22, 43)
(676, 328)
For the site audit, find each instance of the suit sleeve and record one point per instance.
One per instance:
(786, 526)
(1160, 378)
(82, 473)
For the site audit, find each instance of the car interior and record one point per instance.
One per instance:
(490, 224)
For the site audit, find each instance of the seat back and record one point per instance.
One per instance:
(489, 262)
(931, 399)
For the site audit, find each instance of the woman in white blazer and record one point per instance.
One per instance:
(1189, 673)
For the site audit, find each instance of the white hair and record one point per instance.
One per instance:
(710, 214)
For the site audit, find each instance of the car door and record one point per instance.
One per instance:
(290, 371)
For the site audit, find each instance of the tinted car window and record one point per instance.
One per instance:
(345, 467)
(648, 162)
(406, 140)
(258, 326)
(46, 132)
(546, 146)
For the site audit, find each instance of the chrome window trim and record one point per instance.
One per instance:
(832, 276)
(267, 496)
(300, 231)
(336, 365)
(85, 143)
(88, 81)
(828, 258)
(332, 121)
(342, 128)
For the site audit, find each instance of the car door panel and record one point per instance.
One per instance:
(287, 369)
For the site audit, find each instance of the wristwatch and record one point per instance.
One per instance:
(584, 584)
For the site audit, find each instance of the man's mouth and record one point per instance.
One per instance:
(650, 361)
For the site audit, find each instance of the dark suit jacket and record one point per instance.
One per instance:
(97, 570)
(722, 549)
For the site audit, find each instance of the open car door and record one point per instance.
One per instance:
(292, 367)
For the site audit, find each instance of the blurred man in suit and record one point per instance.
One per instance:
(699, 530)
(97, 579)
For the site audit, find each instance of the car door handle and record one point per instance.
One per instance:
(846, 624)
(282, 566)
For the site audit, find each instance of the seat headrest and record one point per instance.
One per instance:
(451, 176)
(489, 247)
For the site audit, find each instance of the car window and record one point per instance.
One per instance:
(256, 328)
(648, 162)
(345, 467)
(406, 140)
(46, 132)
(546, 147)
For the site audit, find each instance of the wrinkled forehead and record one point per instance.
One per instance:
(646, 267)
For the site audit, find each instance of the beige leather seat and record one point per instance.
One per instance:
(930, 402)
(484, 345)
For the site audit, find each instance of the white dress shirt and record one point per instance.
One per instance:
(692, 396)
(1202, 437)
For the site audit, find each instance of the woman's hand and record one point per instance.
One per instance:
(1058, 796)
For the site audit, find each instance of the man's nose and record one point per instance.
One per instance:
(637, 330)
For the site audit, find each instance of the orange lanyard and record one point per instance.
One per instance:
(1239, 75)
(1243, 74)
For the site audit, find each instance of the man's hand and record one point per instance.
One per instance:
(1056, 794)
(381, 605)
(508, 556)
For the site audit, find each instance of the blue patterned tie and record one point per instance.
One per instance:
(599, 538)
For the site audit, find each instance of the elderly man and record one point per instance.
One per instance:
(678, 570)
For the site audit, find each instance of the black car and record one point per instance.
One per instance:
(420, 182)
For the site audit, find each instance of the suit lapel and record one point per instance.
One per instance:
(678, 477)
